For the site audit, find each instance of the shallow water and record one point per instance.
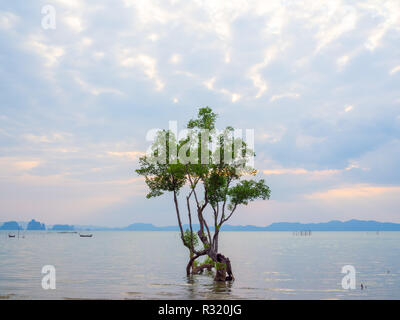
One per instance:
(151, 265)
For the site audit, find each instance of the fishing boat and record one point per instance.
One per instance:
(85, 235)
(11, 235)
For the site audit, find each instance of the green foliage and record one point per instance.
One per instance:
(167, 168)
(220, 265)
(205, 119)
(208, 260)
(188, 237)
(248, 190)
(161, 175)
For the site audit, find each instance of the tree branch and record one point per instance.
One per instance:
(179, 217)
(190, 221)
(230, 215)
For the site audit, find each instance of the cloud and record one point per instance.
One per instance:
(149, 12)
(272, 135)
(209, 84)
(389, 11)
(342, 61)
(258, 81)
(348, 108)
(51, 54)
(77, 101)
(300, 171)
(284, 95)
(129, 155)
(8, 20)
(395, 70)
(17, 165)
(74, 23)
(354, 192)
(146, 63)
(338, 21)
(50, 138)
(175, 58)
(76, 4)
(95, 90)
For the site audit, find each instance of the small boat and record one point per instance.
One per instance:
(85, 235)
(11, 235)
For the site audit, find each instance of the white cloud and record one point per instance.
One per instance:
(17, 165)
(341, 20)
(326, 173)
(254, 73)
(50, 53)
(86, 41)
(150, 12)
(348, 108)
(220, 15)
(284, 95)
(95, 90)
(74, 22)
(153, 37)
(376, 36)
(342, 61)
(232, 95)
(301, 171)
(175, 58)
(75, 4)
(128, 155)
(8, 20)
(271, 136)
(210, 83)
(353, 192)
(235, 97)
(227, 57)
(395, 70)
(99, 54)
(54, 137)
(389, 12)
(211, 53)
(277, 21)
(210, 86)
(147, 64)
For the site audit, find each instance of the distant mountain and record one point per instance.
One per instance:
(36, 225)
(141, 227)
(62, 227)
(10, 225)
(351, 225)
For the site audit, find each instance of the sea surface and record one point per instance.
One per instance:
(151, 265)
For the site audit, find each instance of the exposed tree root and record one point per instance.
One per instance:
(223, 268)
(200, 269)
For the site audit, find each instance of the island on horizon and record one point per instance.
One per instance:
(333, 225)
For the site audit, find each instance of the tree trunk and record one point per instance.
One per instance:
(189, 267)
(223, 267)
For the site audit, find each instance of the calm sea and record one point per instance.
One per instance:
(151, 265)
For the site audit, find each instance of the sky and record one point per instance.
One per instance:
(317, 81)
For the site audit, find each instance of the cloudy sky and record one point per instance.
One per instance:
(318, 81)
